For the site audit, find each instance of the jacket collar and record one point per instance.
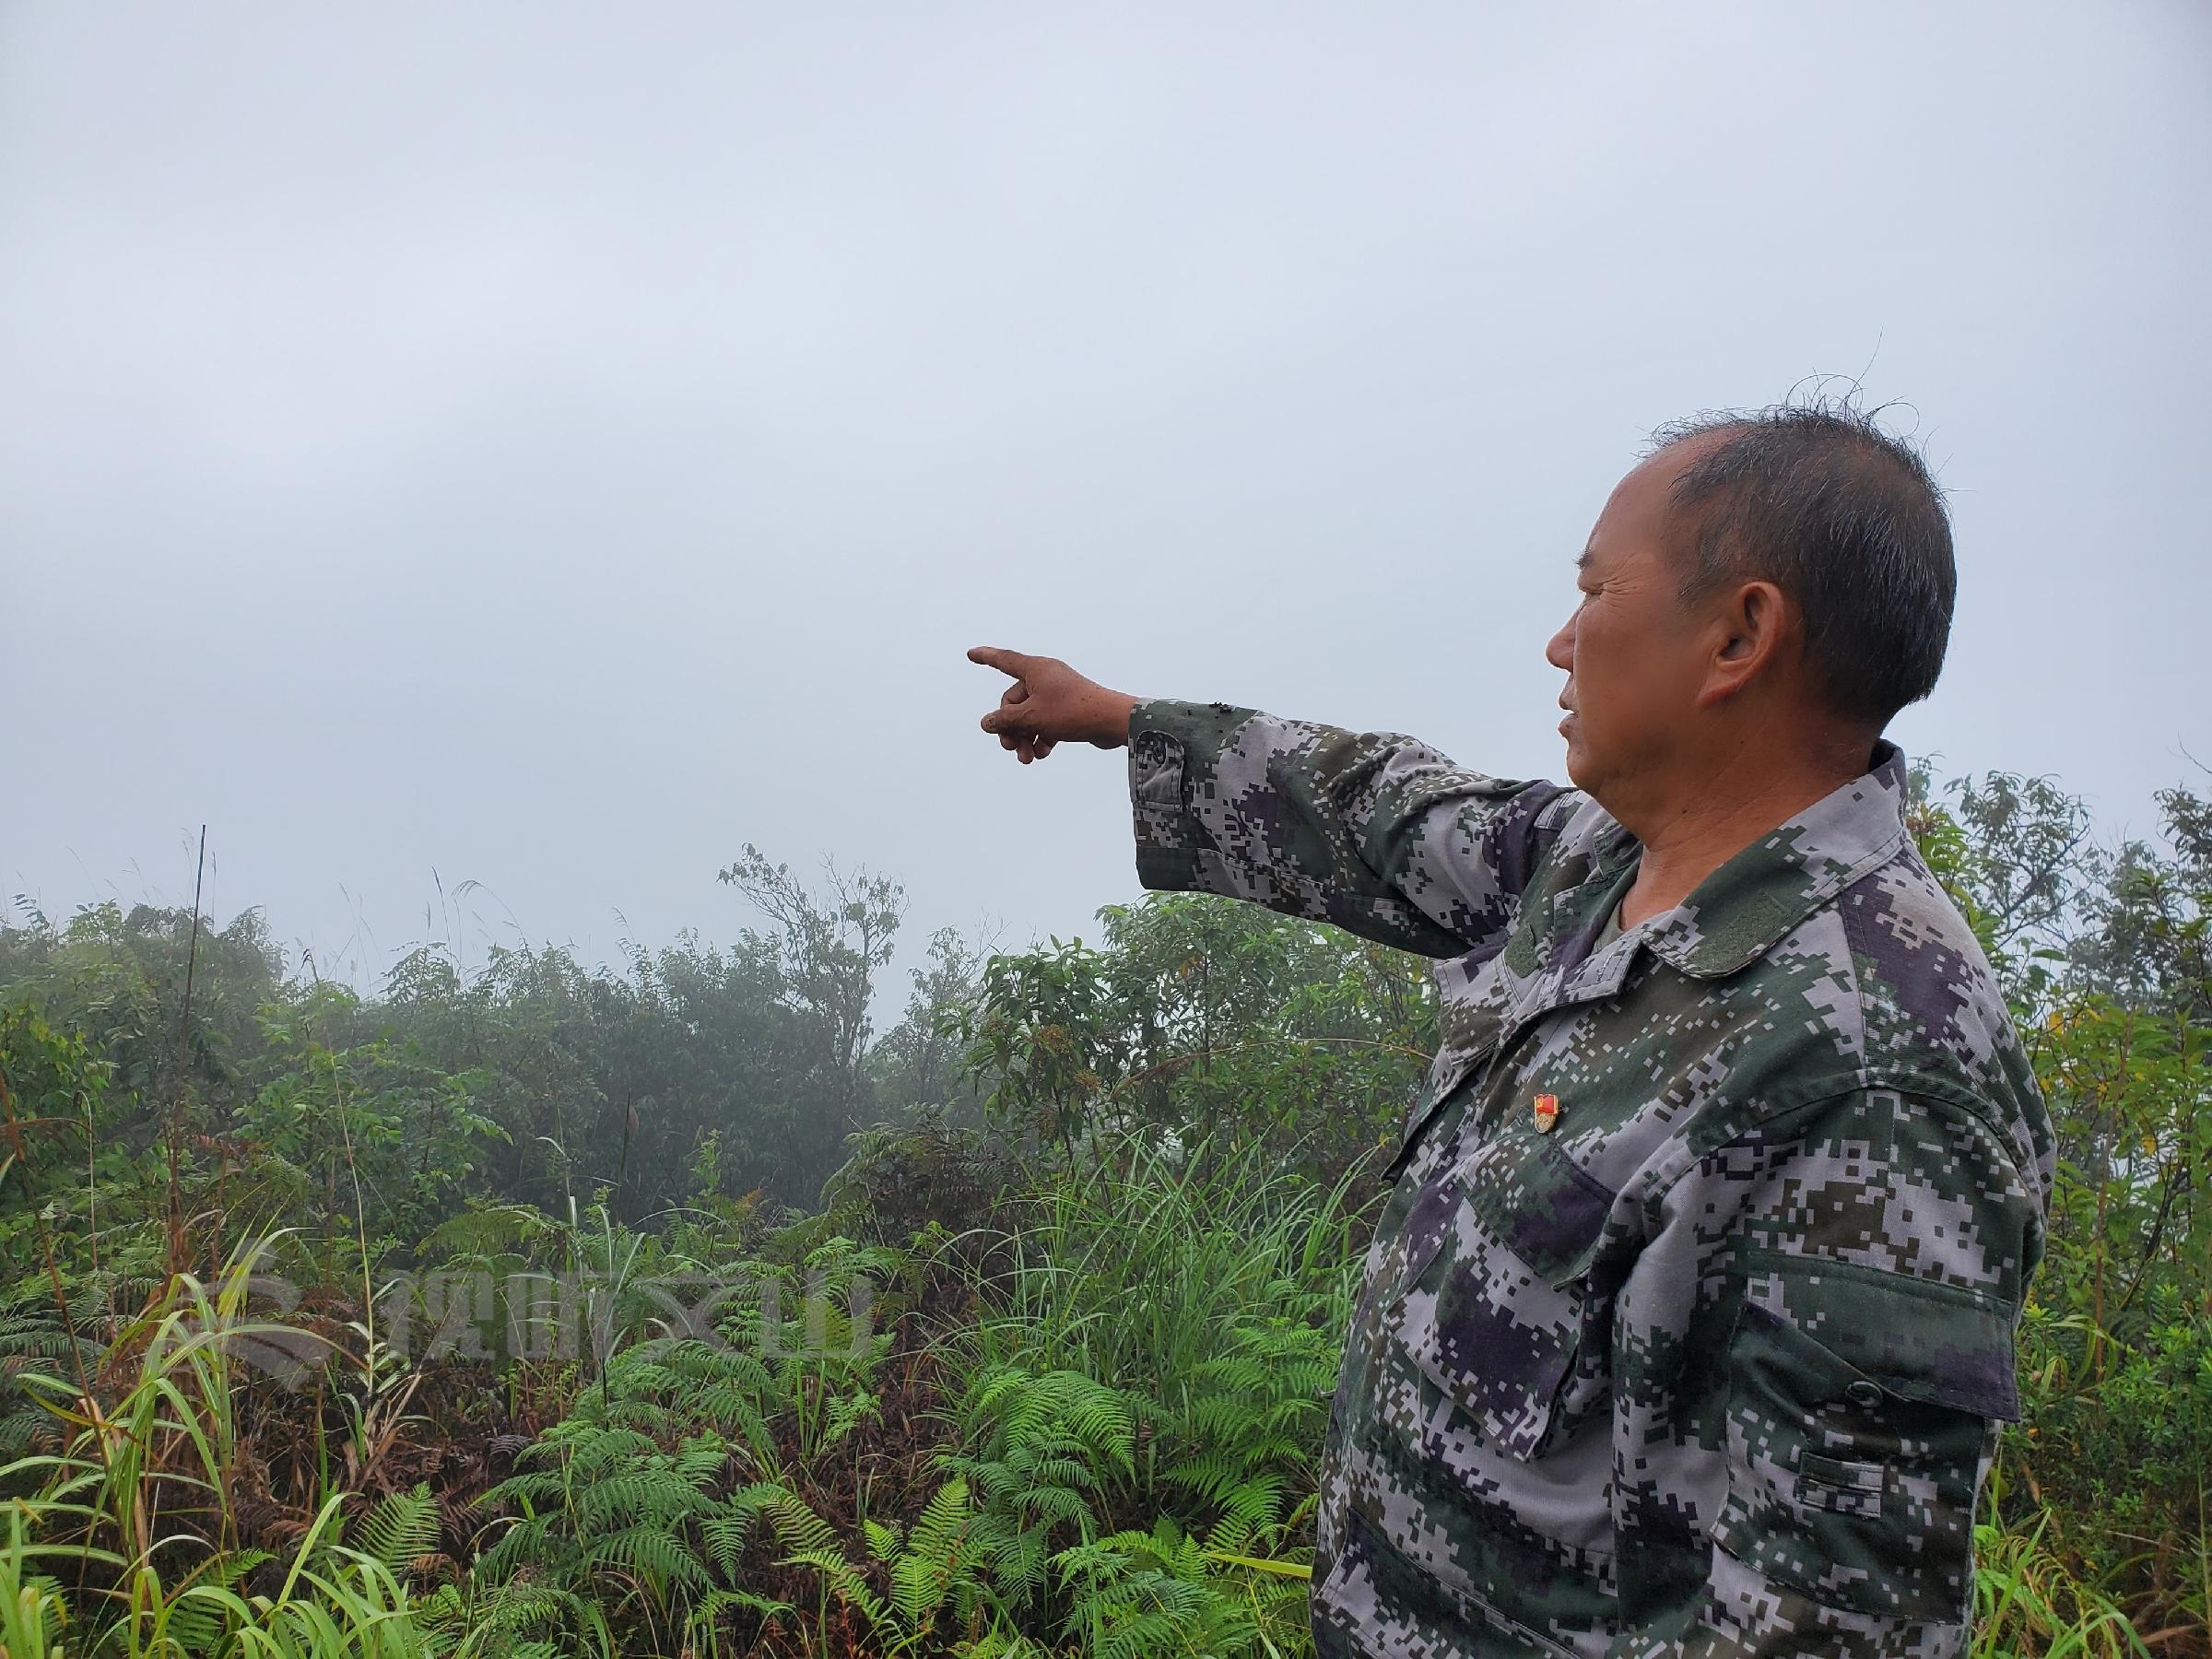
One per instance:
(1744, 907)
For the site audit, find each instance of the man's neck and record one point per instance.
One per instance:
(1727, 810)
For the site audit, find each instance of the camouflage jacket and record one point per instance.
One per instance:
(1687, 1325)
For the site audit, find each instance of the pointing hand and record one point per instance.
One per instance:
(1048, 703)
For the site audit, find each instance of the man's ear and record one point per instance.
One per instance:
(1751, 627)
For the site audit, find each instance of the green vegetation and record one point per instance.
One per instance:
(673, 1309)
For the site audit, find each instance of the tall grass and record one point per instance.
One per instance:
(1145, 1393)
(2029, 1602)
(132, 1533)
(1139, 1274)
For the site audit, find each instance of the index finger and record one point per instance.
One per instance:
(1004, 660)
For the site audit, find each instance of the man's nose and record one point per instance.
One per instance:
(1560, 653)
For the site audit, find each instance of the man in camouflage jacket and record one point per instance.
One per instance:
(1688, 1326)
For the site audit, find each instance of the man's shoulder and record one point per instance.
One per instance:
(1890, 975)
(1925, 987)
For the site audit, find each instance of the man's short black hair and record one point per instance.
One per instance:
(1842, 516)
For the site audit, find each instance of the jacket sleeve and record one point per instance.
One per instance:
(1877, 1252)
(1375, 832)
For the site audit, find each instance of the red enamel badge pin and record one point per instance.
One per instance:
(1548, 1111)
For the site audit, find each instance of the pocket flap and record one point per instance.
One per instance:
(1549, 1210)
(1941, 1344)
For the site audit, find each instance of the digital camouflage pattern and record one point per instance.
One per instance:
(1716, 1363)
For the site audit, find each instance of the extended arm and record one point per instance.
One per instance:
(1374, 831)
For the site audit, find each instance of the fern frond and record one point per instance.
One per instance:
(402, 1528)
(648, 1551)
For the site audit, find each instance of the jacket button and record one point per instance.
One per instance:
(1864, 1394)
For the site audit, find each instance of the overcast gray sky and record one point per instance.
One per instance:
(552, 445)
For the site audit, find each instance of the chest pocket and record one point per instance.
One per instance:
(1497, 1307)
